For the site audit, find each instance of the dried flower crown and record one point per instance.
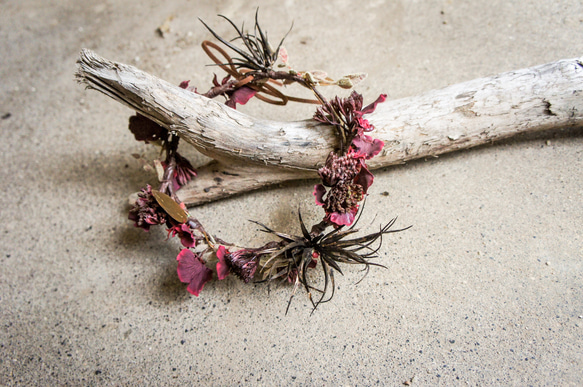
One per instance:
(345, 176)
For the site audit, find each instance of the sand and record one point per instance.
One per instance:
(485, 289)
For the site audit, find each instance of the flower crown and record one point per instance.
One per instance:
(260, 71)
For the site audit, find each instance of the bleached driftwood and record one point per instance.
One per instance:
(251, 153)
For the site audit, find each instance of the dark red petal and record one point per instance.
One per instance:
(184, 84)
(215, 81)
(319, 191)
(186, 236)
(192, 271)
(222, 267)
(241, 96)
(364, 124)
(367, 146)
(364, 178)
(186, 265)
(371, 108)
(201, 277)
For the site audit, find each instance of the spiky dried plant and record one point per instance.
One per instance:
(300, 253)
(254, 66)
(260, 55)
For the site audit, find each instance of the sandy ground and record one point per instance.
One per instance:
(485, 289)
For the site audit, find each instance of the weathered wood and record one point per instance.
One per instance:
(252, 153)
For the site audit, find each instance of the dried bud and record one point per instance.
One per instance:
(243, 263)
(339, 169)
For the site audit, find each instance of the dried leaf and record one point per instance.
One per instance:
(170, 206)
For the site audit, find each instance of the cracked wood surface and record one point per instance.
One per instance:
(251, 153)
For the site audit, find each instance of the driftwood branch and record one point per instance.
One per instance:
(251, 153)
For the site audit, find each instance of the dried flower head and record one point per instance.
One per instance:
(339, 169)
(346, 115)
(146, 211)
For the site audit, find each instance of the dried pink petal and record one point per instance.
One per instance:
(223, 269)
(367, 146)
(364, 178)
(371, 108)
(240, 96)
(344, 219)
(184, 233)
(191, 270)
(319, 192)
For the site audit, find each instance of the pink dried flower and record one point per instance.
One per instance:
(341, 202)
(339, 169)
(347, 114)
(243, 263)
(191, 270)
(184, 233)
(146, 211)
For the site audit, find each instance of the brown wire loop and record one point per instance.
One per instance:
(244, 79)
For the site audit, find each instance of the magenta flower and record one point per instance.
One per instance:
(184, 233)
(347, 176)
(146, 211)
(192, 271)
(348, 179)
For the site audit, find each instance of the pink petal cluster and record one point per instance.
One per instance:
(347, 176)
(146, 211)
(184, 233)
